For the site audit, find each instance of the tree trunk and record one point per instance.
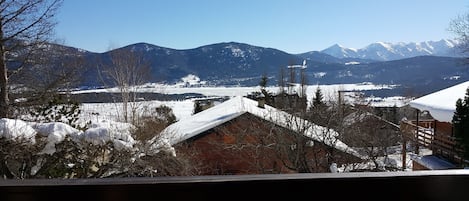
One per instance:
(3, 89)
(4, 102)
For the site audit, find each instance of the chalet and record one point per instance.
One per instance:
(242, 136)
(435, 131)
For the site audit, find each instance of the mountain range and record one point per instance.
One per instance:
(416, 67)
(382, 51)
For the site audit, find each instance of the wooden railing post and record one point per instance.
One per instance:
(404, 153)
(417, 134)
(403, 130)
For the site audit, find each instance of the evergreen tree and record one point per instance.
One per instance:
(263, 85)
(266, 95)
(461, 123)
(197, 107)
(318, 109)
(263, 82)
(318, 98)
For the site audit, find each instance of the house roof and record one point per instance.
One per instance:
(237, 106)
(441, 104)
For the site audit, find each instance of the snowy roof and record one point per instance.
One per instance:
(441, 104)
(235, 107)
(433, 162)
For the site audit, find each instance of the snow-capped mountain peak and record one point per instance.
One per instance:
(339, 51)
(380, 44)
(385, 51)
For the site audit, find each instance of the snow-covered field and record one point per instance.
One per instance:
(328, 90)
(112, 111)
(184, 108)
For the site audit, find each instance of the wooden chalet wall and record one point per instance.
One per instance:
(251, 145)
(443, 128)
(445, 144)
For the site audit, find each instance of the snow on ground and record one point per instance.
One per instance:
(120, 134)
(184, 108)
(397, 101)
(104, 119)
(329, 91)
(113, 111)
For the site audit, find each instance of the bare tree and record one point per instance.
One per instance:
(25, 26)
(294, 98)
(303, 83)
(296, 149)
(48, 79)
(460, 27)
(281, 81)
(373, 135)
(158, 119)
(51, 71)
(126, 70)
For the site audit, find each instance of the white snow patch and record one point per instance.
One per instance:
(55, 133)
(352, 63)
(16, 129)
(191, 80)
(106, 130)
(319, 74)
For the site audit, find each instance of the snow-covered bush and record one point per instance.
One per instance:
(58, 150)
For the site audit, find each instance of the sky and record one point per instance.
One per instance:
(293, 26)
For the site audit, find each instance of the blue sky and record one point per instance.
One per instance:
(293, 26)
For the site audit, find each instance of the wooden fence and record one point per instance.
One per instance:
(440, 144)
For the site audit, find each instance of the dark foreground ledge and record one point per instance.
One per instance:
(416, 185)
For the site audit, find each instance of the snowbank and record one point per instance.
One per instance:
(98, 133)
(55, 133)
(15, 129)
(106, 130)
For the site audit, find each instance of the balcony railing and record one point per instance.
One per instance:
(440, 144)
(405, 185)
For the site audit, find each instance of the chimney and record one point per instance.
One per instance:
(261, 101)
